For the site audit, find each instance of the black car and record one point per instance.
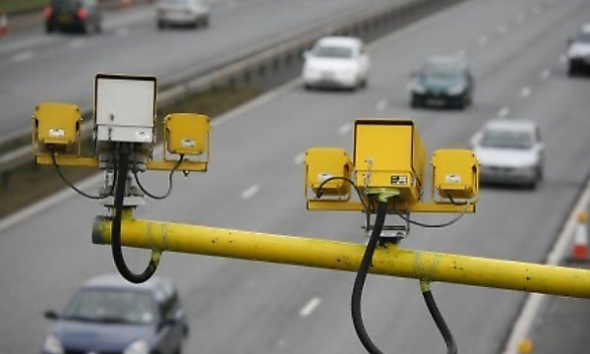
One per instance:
(110, 315)
(444, 81)
(73, 15)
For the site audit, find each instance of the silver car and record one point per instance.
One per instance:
(510, 151)
(193, 13)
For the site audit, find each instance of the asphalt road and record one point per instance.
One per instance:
(36, 67)
(255, 183)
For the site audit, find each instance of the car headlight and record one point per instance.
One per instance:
(52, 345)
(137, 347)
(457, 89)
(417, 87)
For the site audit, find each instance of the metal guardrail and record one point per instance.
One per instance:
(256, 63)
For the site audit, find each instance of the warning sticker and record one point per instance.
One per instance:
(453, 178)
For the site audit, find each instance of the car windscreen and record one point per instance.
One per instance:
(583, 37)
(506, 139)
(442, 70)
(175, 3)
(333, 51)
(65, 5)
(111, 306)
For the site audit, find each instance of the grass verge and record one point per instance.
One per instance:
(11, 7)
(30, 183)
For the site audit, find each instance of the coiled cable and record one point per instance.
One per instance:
(121, 181)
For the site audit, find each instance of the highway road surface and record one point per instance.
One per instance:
(255, 183)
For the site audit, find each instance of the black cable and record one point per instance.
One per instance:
(319, 193)
(71, 185)
(123, 167)
(170, 181)
(418, 223)
(359, 282)
(440, 321)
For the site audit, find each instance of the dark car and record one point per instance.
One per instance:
(110, 315)
(443, 81)
(73, 15)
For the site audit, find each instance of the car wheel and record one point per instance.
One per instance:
(571, 70)
(532, 184)
(365, 82)
(464, 102)
(540, 174)
(161, 25)
(415, 102)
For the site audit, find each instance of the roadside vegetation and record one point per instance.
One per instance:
(12, 7)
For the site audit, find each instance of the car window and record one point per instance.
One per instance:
(111, 306)
(65, 5)
(169, 306)
(442, 69)
(175, 3)
(333, 51)
(506, 139)
(583, 37)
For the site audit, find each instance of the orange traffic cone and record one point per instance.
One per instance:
(3, 24)
(580, 249)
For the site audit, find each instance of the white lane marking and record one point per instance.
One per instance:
(523, 324)
(22, 56)
(562, 59)
(483, 40)
(310, 307)
(502, 29)
(545, 74)
(381, 105)
(298, 160)
(525, 92)
(77, 43)
(503, 113)
(122, 32)
(344, 129)
(249, 193)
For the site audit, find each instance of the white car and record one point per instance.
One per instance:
(193, 13)
(578, 53)
(510, 151)
(336, 61)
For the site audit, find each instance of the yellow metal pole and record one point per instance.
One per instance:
(318, 253)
